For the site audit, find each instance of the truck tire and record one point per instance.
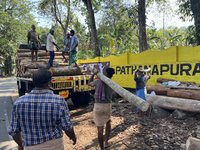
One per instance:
(21, 91)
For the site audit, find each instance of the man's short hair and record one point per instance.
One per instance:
(41, 77)
(72, 31)
(110, 72)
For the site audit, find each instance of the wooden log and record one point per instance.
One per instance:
(28, 50)
(174, 103)
(133, 99)
(189, 94)
(28, 54)
(161, 80)
(178, 87)
(192, 143)
(28, 60)
(56, 53)
(41, 57)
(65, 71)
(158, 90)
(36, 66)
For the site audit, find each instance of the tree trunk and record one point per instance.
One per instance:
(136, 101)
(67, 71)
(174, 103)
(157, 89)
(190, 94)
(142, 26)
(195, 5)
(88, 4)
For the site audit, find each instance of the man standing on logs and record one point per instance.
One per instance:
(141, 81)
(102, 106)
(67, 43)
(40, 117)
(73, 49)
(51, 47)
(34, 45)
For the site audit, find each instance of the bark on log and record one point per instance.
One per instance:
(36, 66)
(174, 103)
(192, 144)
(140, 103)
(178, 87)
(56, 53)
(41, 57)
(189, 94)
(67, 71)
(28, 60)
(158, 90)
(28, 50)
(161, 80)
(27, 54)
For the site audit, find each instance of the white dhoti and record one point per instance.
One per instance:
(102, 113)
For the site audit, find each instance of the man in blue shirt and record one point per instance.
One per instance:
(40, 117)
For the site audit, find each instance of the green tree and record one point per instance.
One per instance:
(15, 20)
(190, 9)
(56, 11)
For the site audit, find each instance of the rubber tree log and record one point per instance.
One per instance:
(192, 144)
(161, 80)
(133, 99)
(28, 54)
(159, 90)
(36, 66)
(41, 57)
(27, 50)
(67, 71)
(55, 53)
(28, 60)
(174, 103)
(190, 94)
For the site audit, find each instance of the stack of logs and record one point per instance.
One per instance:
(188, 90)
(25, 67)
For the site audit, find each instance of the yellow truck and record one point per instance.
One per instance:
(74, 87)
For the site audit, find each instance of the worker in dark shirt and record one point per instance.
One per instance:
(141, 81)
(33, 42)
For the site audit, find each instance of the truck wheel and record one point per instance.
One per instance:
(78, 98)
(21, 91)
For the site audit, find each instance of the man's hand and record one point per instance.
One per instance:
(28, 45)
(21, 147)
(40, 46)
(96, 72)
(136, 70)
(74, 140)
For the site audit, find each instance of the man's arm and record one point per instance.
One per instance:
(18, 139)
(39, 41)
(91, 78)
(28, 39)
(135, 74)
(71, 135)
(74, 48)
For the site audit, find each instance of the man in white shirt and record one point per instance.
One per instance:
(51, 47)
(73, 49)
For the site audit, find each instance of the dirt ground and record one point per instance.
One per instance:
(130, 132)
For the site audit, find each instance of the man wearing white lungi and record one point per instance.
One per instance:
(102, 106)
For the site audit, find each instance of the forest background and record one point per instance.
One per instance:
(103, 27)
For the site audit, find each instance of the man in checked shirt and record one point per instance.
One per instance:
(39, 117)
